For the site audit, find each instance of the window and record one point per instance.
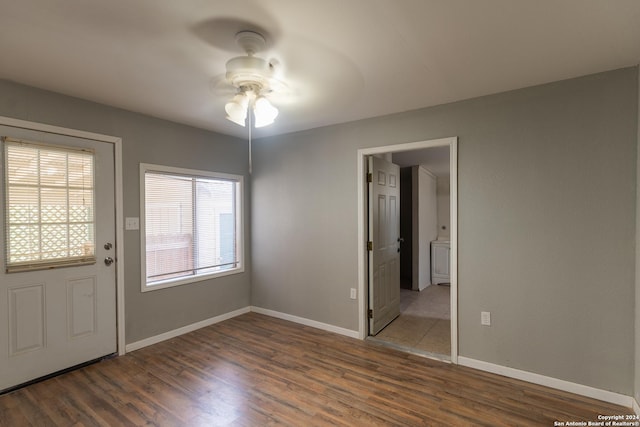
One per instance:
(49, 202)
(191, 225)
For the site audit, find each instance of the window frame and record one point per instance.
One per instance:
(191, 173)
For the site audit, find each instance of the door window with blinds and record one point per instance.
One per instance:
(192, 225)
(49, 206)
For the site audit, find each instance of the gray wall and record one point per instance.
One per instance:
(148, 140)
(547, 182)
(444, 206)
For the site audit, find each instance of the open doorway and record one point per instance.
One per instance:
(428, 299)
(424, 323)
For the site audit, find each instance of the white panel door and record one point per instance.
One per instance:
(384, 233)
(53, 319)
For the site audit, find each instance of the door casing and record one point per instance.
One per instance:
(117, 145)
(452, 143)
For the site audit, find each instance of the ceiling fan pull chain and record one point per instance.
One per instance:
(250, 161)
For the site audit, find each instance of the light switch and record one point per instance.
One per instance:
(485, 318)
(132, 223)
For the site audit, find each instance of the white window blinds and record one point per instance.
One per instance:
(49, 202)
(190, 225)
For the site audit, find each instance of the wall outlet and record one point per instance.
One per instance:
(353, 294)
(485, 318)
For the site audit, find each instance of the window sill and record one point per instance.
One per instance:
(164, 284)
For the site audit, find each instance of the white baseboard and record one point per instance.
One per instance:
(207, 322)
(636, 407)
(306, 322)
(185, 329)
(583, 390)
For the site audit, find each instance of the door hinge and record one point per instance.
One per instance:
(369, 177)
(369, 245)
(370, 314)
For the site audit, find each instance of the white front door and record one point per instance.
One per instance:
(58, 286)
(384, 234)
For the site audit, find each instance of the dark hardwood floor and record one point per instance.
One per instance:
(255, 370)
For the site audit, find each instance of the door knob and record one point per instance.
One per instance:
(108, 260)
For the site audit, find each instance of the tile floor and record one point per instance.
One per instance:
(424, 324)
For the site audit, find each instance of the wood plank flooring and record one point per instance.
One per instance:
(255, 370)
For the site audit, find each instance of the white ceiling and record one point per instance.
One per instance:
(343, 59)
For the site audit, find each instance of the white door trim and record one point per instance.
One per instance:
(452, 143)
(117, 143)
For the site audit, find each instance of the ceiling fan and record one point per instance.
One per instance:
(254, 80)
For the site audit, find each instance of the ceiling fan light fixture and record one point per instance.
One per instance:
(253, 77)
(265, 113)
(237, 109)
